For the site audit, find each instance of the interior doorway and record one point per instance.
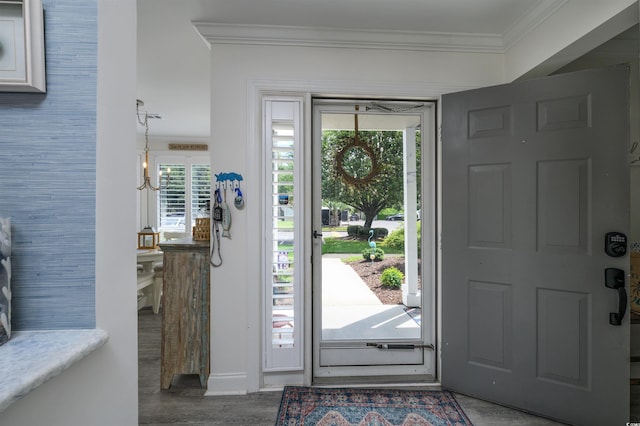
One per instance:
(373, 252)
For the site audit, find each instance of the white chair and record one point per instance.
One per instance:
(146, 287)
(158, 275)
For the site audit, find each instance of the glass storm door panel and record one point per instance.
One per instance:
(372, 265)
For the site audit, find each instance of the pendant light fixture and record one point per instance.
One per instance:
(143, 119)
(148, 237)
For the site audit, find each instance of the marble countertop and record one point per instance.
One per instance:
(30, 358)
(184, 244)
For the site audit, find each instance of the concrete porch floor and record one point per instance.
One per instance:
(351, 311)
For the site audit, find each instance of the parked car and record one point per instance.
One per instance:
(398, 216)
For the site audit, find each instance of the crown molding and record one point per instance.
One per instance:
(220, 33)
(282, 35)
(540, 12)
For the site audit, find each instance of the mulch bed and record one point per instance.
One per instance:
(372, 272)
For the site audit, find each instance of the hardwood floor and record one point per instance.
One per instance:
(185, 404)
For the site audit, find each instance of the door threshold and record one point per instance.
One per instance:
(368, 381)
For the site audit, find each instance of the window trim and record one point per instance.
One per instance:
(160, 157)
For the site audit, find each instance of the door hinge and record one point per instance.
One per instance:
(407, 346)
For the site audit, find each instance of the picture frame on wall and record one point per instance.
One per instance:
(22, 59)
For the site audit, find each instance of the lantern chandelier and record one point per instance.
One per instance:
(143, 119)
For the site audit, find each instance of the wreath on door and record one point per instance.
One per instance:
(357, 144)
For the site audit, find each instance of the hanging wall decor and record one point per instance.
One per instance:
(22, 46)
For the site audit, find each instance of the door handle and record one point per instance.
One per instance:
(614, 279)
(317, 234)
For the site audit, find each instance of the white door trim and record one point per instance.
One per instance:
(256, 89)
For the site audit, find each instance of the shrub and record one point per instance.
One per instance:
(363, 233)
(392, 277)
(380, 233)
(395, 239)
(354, 230)
(378, 254)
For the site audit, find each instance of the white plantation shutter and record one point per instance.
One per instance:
(200, 189)
(171, 199)
(187, 193)
(283, 343)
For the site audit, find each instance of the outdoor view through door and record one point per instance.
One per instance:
(373, 263)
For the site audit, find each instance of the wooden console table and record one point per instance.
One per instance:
(185, 310)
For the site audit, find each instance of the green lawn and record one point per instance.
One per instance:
(339, 245)
(288, 224)
(342, 228)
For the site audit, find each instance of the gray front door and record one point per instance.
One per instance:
(535, 174)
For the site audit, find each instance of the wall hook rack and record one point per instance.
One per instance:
(234, 180)
(228, 177)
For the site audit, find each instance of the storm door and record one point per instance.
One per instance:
(535, 174)
(373, 250)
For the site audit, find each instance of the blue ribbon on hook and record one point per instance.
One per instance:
(238, 201)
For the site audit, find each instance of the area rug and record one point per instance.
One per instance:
(368, 407)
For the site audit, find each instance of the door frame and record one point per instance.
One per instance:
(429, 269)
(308, 89)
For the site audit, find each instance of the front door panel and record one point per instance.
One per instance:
(535, 174)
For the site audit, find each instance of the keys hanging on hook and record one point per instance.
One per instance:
(238, 201)
(217, 208)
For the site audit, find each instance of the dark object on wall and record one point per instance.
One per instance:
(5, 280)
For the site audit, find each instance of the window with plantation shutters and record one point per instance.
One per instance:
(171, 199)
(200, 190)
(186, 195)
(283, 345)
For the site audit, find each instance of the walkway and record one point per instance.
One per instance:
(352, 311)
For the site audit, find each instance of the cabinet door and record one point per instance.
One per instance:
(185, 315)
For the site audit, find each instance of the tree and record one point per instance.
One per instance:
(367, 176)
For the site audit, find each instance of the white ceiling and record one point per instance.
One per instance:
(173, 60)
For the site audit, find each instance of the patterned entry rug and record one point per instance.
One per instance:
(368, 407)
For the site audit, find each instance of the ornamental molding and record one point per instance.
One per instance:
(261, 35)
(282, 35)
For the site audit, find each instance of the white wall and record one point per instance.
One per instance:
(102, 389)
(237, 72)
(240, 71)
(567, 34)
(622, 49)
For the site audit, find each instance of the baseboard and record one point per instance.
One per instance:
(227, 384)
